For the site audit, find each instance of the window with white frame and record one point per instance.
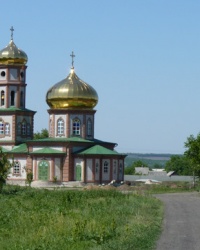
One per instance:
(105, 167)
(76, 127)
(60, 127)
(4, 128)
(16, 168)
(7, 129)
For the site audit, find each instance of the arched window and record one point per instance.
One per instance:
(89, 127)
(21, 98)
(12, 98)
(16, 168)
(76, 127)
(2, 98)
(7, 129)
(60, 127)
(24, 128)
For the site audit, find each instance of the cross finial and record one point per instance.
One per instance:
(12, 29)
(72, 55)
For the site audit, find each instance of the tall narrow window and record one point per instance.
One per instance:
(105, 167)
(97, 168)
(60, 127)
(2, 98)
(76, 127)
(1, 127)
(24, 127)
(22, 99)
(7, 129)
(89, 127)
(28, 129)
(16, 168)
(12, 98)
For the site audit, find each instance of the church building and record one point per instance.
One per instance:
(71, 152)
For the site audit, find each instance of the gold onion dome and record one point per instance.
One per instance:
(11, 54)
(73, 93)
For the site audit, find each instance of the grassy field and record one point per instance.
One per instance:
(32, 219)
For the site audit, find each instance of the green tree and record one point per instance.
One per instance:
(179, 164)
(5, 167)
(193, 154)
(41, 135)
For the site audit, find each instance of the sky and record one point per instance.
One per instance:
(141, 56)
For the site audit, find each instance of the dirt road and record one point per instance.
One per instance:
(181, 225)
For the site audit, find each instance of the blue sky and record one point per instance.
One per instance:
(142, 57)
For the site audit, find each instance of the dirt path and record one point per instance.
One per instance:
(181, 225)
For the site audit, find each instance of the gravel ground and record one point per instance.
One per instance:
(181, 225)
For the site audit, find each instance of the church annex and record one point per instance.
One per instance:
(71, 152)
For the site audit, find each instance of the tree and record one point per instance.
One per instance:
(193, 154)
(179, 164)
(41, 135)
(5, 167)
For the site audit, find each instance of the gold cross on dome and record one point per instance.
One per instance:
(72, 55)
(12, 29)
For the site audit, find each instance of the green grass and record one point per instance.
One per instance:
(168, 187)
(32, 219)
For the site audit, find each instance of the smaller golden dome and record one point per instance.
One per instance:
(73, 93)
(12, 55)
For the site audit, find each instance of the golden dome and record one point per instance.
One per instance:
(73, 93)
(12, 55)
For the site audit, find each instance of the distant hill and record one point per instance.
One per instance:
(152, 160)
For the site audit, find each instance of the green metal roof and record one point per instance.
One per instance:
(47, 150)
(61, 139)
(15, 109)
(4, 150)
(22, 148)
(98, 150)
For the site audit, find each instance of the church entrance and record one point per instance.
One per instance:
(43, 171)
(78, 172)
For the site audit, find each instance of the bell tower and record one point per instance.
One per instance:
(16, 122)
